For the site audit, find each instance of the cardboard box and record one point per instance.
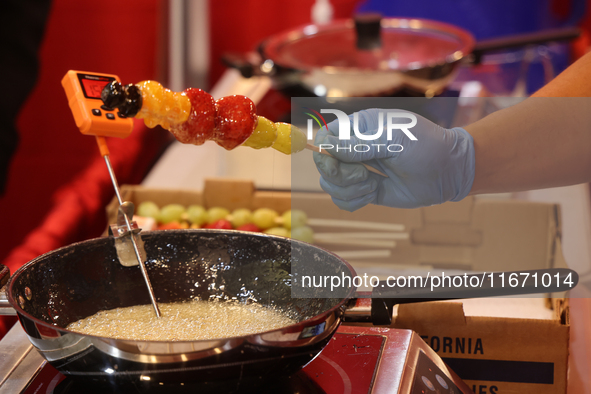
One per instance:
(501, 345)
(472, 235)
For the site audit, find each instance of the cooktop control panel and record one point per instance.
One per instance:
(429, 378)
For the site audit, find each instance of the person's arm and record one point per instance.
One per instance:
(575, 81)
(542, 142)
(538, 143)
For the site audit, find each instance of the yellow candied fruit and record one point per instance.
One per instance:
(264, 135)
(290, 139)
(161, 106)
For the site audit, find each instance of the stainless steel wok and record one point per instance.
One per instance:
(79, 280)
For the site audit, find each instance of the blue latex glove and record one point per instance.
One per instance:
(437, 167)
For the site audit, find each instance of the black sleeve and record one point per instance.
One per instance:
(22, 25)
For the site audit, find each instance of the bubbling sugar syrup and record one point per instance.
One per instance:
(183, 321)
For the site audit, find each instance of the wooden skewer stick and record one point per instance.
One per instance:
(354, 242)
(363, 254)
(364, 235)
(355, 224)
(315, 148)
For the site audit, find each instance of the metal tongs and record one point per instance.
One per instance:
(126, 232)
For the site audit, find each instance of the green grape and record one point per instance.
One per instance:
(197, 214)
(171, 213)
(298, 218)
(148, 209)
(286, 219)
(281, 231)
(264, 218)
(303, 233)
(241, 217)
(216, 213)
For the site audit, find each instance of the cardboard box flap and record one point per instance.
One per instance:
(447, 234)
(450, 212)
(230, 194)
(516, 235)
(445, 312)
(279, 201)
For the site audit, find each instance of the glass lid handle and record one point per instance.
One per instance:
(368, 30)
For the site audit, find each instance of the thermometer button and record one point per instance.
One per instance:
(110, 116)
(96, 112)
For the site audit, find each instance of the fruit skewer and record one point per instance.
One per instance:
(193, 117)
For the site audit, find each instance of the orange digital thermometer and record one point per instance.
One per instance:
(91, 116)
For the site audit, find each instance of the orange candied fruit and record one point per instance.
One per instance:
(161, 106)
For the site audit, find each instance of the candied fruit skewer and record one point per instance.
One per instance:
(193, 117)
(233, 118)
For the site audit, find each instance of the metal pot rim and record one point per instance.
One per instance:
(271, 47)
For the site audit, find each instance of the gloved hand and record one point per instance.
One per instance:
(437, 167)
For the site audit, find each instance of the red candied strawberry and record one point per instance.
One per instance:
(249, 227)
(198, 128)
(235, 120)
(220, 224)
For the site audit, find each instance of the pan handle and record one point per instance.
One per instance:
(521, 40)
(368, 31)
(486, 284)
(249, 64)
(4, 275)
(5, 307)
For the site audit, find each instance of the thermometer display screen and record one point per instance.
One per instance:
(92, 85)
